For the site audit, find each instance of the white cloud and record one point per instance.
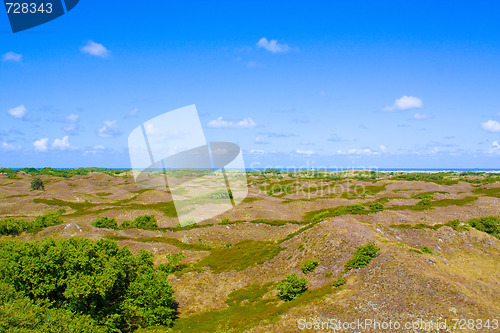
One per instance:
(304, 152)
(11, 56)
(94, 150)
(382, 148)
(109, 130)
(273, 46)
(61, 144)
(405, 103)
(421, 116)
(257, 151)
(10, 147)
(41, 144)
(133, 113)
(95, 49)
(260, 141)
(491, 126)
(71, 123)
(356, 151)
(18, 111)
(221, 123)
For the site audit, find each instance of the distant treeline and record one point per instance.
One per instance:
(62, 172)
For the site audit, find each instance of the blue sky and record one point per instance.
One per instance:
(319, 83)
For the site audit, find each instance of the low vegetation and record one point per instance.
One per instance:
(488, 224)
(80, 285)
(15, 226)
(37, 184)
(309, 265)
(362, 257)
(291, 287)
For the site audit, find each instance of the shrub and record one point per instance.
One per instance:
(37, 184)
(97, 280)
(225, 221)
(48, 219)
(291, 288)
(426, 249)
(339, 282)
(11, 226)
(320, 216)
(424, 202)
(309, 265)
(376, 206)
(488, 224)
(104, 222)
(362, 256)
(141, 222)
(351, 209)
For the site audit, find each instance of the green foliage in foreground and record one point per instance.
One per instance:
(292, 287)
(488, 224)
(309, 265)
(363, 255)
(37, 184)
(12, 226)
(79, 285)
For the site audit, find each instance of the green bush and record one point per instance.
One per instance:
(320, 216)
(488, 224)
(350, 209)
(140, 222)
(104, 222)
(11, 226)
(309, 265)
(426, 249)
(339, 282)
(376, 206)
(424, 202)
(291, 288)
(362, 256)
(83, 283)
(37, 184)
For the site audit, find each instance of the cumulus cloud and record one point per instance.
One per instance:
(94, 150)
(421, 116)
(61, 144)
(278, 135)
(18, 111)
(257, 151)
(109, 130)
(10, 147)
(41, 144)
(11, 56)
(95, 49)
(260, 141)
(304, 152)
(220, 122)
(335, 138)
(356, 151)
(72, 123)
(272, 46)
(404, 103)
(491, 126)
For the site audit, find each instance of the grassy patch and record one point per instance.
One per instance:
(240, 256)
(167, 240)
(103, 194)
(489, 192)
(337, 211)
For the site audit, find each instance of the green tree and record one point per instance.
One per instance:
(362, 256)
(37, 184)
(292, 287)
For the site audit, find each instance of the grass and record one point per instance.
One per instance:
(241, 316)
(428, 194)
(435, 203)
(240, 256)
(489, 192)
(103, 194)
(337, 211)
(454, 224)
(167, 240)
